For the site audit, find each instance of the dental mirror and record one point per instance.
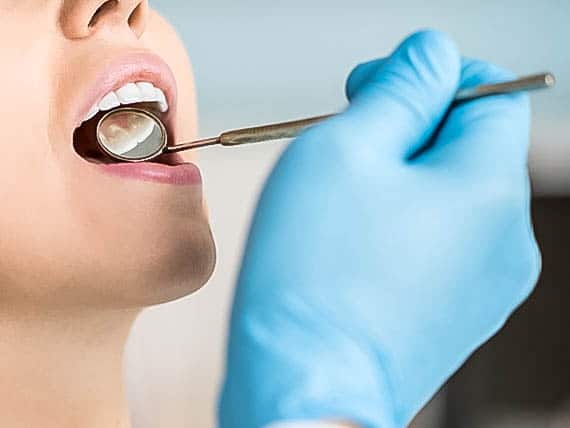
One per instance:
(131, 135)
(135, 135)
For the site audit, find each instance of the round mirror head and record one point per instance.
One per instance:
(131, 135)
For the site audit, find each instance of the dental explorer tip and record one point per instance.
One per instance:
(549, 79)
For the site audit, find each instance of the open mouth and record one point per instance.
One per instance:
(141, 95)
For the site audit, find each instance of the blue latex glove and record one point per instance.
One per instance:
(385, 248)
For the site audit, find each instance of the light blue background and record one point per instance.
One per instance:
(264, 60)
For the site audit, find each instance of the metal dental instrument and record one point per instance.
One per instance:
(135, 135)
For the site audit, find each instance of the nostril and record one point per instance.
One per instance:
(81, 19)
(137, 18)
(102, 10)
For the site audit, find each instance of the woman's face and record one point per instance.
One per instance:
(74, 229)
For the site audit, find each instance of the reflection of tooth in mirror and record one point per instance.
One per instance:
(131, 134)
(124, 132)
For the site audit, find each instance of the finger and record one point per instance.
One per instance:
(397, 103)
(361, 75)
(491, 131)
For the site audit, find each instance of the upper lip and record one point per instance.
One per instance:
(132, 67)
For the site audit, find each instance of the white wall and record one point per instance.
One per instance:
(258, 61)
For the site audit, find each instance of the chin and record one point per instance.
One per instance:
(172, 273)
(130, 270)
(123, 277)
(186, 272)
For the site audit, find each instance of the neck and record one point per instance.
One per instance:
(63, 369)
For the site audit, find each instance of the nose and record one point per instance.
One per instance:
(82, 18)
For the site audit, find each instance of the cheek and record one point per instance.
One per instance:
(29, 177)
(24, 111)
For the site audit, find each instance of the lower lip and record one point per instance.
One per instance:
(182, 174)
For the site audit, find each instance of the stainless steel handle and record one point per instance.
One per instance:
(276, 131)
(291, 129)
(527, 83)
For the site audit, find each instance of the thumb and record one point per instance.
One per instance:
(399, 101)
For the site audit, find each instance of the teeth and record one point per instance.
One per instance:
(94, 110)
(131, 93)
(161, 98)
(109, 101)
(147, 91)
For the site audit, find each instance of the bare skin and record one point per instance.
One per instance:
(70, 284)
(64, 370)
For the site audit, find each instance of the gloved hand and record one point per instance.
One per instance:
(388, 244)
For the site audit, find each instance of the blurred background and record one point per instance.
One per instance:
(258, 61)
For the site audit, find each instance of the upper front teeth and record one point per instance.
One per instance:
(131, 93)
